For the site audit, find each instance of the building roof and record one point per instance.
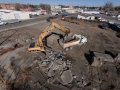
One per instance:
(4, 10)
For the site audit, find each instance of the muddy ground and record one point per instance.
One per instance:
(15, 59)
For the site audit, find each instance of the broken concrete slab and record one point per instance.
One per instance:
(51, 73)
(66, 77)
(68, 62)
(98, 58)
(60, 67)
(55, 66)
(43, 64)
(39, 75)
(104, 57)
(59, 62)
(50, 80)
(118, 57)
(81, 83)
(96, 62)
(46, 60)
(6, 61)
(57, 80)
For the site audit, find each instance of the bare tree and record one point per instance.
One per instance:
(109, 6)
(117, 8)
(18, 6)
(45, 7)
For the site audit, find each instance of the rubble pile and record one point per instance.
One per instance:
(23, 39)
(55, 64)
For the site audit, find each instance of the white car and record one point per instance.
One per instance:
(113, 16)
(3, 23)
(118, 19)
(111, 22)
(102, 19)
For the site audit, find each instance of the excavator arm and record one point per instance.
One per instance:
(39, 46)
(66, 31)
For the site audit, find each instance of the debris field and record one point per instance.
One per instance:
(92, 66)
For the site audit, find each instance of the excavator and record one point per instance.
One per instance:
(39, 45)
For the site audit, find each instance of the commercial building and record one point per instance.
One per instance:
(55, 8)
(11, 14)
(7, 6)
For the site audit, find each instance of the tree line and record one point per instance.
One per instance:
(108, 6)
(18, 6)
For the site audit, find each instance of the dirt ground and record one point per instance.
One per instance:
(105, 77)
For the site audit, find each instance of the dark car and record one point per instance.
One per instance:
(104, 26)
(56, 14)
(109, 14)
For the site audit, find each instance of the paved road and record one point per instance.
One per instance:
(23, 23)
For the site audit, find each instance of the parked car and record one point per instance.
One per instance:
(104, 26)
(109, 14)
(102, 19)
(102, 12)
(114, 16)
(2, 23)
(114, 26)
(64, 14)
(56, 14)
(118, 19)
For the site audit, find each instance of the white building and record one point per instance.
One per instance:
(65, 8)
(55, 8)
(21, 15)
(11, 14)
(91, 12)
(38, 12)
(72, 10)
(80, 10)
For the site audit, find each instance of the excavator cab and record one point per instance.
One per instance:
(33, 48)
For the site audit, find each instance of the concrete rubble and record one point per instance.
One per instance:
(98, 59)
(53, 63)
(118, 57)
(66, 77)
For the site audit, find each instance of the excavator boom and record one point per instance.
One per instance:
(66, 31)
